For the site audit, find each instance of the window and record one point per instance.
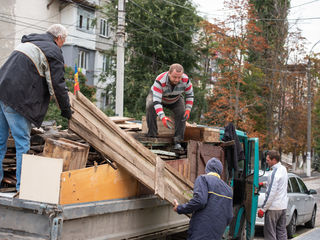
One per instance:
(106, 63)
(289, 189)
(85, 20)
(303, 187)
(104, 28)
(294, 185)
(83, 59)
(80, 21)
(88, 23)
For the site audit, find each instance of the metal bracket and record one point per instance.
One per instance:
(56, 228)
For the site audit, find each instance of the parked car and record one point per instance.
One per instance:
(302, 206)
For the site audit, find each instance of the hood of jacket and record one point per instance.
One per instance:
(37, 37)
(214, 165)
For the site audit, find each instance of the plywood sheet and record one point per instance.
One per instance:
(40, 178)
(96, 183)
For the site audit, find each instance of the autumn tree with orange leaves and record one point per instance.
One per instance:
(235, 93)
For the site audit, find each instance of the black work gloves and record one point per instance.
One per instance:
(67, 113)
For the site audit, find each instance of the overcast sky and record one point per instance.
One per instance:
(304, 14)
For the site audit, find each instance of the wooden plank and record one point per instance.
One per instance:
(10, 143)
(182, 165)
(74, 154)
(159, 178)
(117, 119)
(210, 135)
(199, 153)
(192, 133)
(104, 135)
(161, 152)
(202, 134)
(40, 178)
(162, 130)
(130, 126)
(98, 115)
(101, 146)
(95, 184)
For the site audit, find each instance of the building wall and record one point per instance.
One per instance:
(7, 27)
(24, 17)
(103, 43)
(20, 17)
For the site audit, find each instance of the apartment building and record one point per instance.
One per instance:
(90, 34)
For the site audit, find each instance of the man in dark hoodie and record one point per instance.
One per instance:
(211, 205)
(33, 72)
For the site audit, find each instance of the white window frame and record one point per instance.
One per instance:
(106, 62)
(85, 19)
(104, 28)
(83, 58)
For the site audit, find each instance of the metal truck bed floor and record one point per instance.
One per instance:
(112, 219)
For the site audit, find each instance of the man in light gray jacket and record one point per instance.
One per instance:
(275, 204)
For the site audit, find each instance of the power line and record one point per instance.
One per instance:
(177, 5)
(134, 3)
(25, 24)
(304, 4)
(168, 40)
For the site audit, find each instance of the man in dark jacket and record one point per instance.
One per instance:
(211, 205)
(33, 72)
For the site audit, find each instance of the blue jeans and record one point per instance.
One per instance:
(20, 130)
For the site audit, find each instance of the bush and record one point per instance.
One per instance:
(54, 112)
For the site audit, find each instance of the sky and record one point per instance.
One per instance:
(304, 14)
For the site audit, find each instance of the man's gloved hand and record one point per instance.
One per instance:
(260, 213)
(186, 115)
(167, 122)
(66, 113)
(175, 205)
(261, 184)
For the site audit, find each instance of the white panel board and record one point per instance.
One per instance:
(40, 178)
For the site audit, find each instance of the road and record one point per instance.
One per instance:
(311, 183)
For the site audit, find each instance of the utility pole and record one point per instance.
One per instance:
(309, 114)
(309, 120)
(120, 58)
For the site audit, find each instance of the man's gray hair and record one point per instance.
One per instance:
(58, 30)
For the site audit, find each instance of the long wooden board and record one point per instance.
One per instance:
(103, 134)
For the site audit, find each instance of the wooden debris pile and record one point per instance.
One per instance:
(113, 140)
(49, 130)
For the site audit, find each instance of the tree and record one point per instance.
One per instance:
(235, 92)
(159, 33)
(272, 15)
(54, 112)
(315, 74)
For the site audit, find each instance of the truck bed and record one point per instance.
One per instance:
(146, 217)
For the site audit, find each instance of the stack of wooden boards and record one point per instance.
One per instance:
(104, 135)
(130, 162)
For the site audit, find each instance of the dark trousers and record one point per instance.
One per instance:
(178, 110)
(275, 225)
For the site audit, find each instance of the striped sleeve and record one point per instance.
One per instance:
(157, 90)
(189, 95)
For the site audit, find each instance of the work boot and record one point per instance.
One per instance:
(177, 146)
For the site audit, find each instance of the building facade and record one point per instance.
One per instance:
(90, 36)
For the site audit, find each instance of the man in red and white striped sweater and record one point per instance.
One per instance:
(167, 91)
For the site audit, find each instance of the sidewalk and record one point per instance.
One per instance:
(311, 235)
